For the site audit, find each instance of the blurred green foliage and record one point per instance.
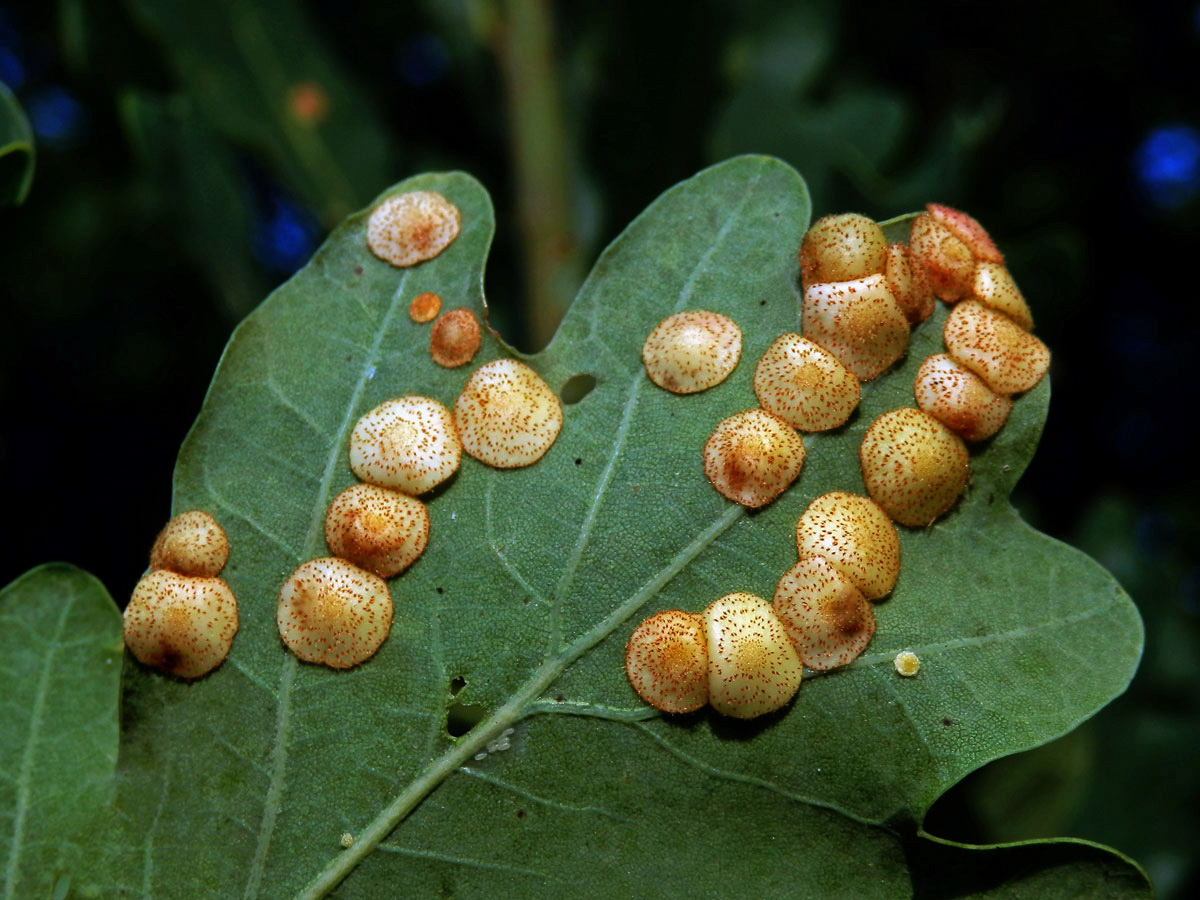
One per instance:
(217, 142)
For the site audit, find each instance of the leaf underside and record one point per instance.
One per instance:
(243, 783)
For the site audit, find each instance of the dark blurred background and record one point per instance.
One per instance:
(190, 156)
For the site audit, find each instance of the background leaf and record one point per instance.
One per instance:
(16, 149)
(60, 642)
(244, 781)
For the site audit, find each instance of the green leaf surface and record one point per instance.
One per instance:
(16, 149)
(60, 642)
(242, 783)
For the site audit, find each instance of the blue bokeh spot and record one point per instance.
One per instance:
(12, 70)
(1168, 165)
(285, 237)
(56, 116)
(422, 60)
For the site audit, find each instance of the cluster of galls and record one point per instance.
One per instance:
(862, 296)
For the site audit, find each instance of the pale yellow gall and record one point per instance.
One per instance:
(959, 398)
(409, 444)
(377, 528)
(856, 537)
(827, 618)
(406, 229)
(752, 456)
(455, 338)
(909, 285)
(424, 307)
(906, 663)
(841, 248)
(1008, 358)
(183, 625)
(692, 351)
(332, 612)
(752, 666)
(994, 286)
(857, 321)
(347, 840)
(804, 384)
(192, 543)
(947, 261)
(967, 230)
(507, 415)
(914, 467)
(666, 661)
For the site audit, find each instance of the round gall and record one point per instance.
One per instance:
(906, 663)
(666, 661)
(332, 612)
(406, 229)
(959, 398)
(409, 444)
(376, 528)
(1008, 358)
(752, 457)
(455, 338)
(183, 625)
(507, 416)
(424, 307)
(692, 351)
(856, 537)
(804, 384)
(947, 261)
(192, 543)
(840, 248)
(828, 619)
(857, 321)
(752, 666)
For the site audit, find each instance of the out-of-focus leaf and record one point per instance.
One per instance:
(262, 76)
(243, 782)
(60, 642)
(16, 150)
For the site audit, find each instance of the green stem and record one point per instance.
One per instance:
(541, 157)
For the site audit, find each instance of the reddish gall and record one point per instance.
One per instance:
(752, 456)
(827, 618)
(666, 661)
(192, 543)
(804, 384)
(692, 351)
(332, 612)
(948, 262)
(409, 443)
(959, 398)
(507, 416)
(183, 625)
(455, 338)
(752, 666)
(1008, 358)
(406, 229)
(967, 230)
(914, 467)
(857, 321)
(909, 285)
(856, 537)
(377, 529)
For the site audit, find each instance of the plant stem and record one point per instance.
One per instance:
(541, 157)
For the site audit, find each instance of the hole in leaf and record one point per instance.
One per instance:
(457, 683)
(462, 717)
(577, 387)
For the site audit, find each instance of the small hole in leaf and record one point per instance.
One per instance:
(577, 387)
(461, 718)
(440, 590)
(578, 461)
(457, 683)
(520, 813)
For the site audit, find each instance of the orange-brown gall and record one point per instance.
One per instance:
(804, 384)
(410, 444)
(854, 536)
(967, 230)
(1008, 358)
(752, 666)
(406, 229)
(752, 456)
(455, 338)
(507, 415)
(959, 398)
(332, 612)
(424, 307)
(841, 248)
(377, 529)
(183, 625)
(914, 467)
(947, 261)
(909, 285)
(192, 543)
(857, 321)
(692, 351)
(994, 286)
(666, 661)
(827, 618)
